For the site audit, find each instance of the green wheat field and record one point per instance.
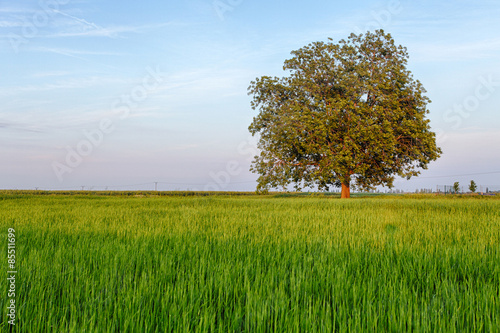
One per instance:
(234, 263)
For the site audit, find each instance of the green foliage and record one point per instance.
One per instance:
(472, 186)
(456, 187)
(254, 263)
(348, 112)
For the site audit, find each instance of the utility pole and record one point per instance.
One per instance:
(156, 186)
(83, 187)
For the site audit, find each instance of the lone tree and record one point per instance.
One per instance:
(472, 186)
(348, 114)
(456, 187)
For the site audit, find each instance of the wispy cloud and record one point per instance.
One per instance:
(74, 52)
(112, 31)
(20, 127)
(68, 25)
(78, 27)
(10, 23)
(83, 22)
(78, 83)
(50, 74)
(4, 10)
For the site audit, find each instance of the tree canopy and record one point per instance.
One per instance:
(472, 186)
(349, 114)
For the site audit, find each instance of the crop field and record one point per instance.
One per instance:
(144, 263)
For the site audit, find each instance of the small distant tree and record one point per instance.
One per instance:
(456, 187)
(472, 186)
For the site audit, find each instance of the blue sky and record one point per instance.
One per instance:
(111, 94)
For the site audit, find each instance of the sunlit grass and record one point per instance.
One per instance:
(254, 263)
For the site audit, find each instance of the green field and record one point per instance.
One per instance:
(90, 263)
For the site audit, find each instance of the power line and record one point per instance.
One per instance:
(155, 184)
(466, 174)
(242, 182)
(126, 185)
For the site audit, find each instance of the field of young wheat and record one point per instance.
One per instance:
(94, 263)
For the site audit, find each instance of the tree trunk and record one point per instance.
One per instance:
(346, 191)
